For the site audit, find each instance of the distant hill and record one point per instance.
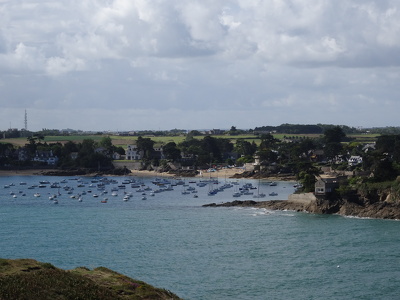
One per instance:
(30, 279)
(302, 129)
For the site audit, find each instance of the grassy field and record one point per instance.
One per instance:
(123, 141)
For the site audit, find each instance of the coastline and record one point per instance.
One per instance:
(228, 173)
(232, 173)
(27, 172)
(379, 210)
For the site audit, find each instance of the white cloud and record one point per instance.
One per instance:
(174, 57)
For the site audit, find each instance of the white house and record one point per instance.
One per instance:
(355, 160)
(46, 157)
(133, 153)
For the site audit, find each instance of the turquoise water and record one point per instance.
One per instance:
(172, 242)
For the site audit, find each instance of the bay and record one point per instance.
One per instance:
(170, 241)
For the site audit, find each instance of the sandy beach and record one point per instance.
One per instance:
(23, 172)
(219, 173)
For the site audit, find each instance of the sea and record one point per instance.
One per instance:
(161, 234)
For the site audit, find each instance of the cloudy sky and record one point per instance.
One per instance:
(194, 64)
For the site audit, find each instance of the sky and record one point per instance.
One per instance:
(127, 65)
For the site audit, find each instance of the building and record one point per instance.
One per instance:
(326, 184)
(133, 153)
(355, 160)
(45, 157)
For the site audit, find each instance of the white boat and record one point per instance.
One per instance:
(36, 194)
(260, 195)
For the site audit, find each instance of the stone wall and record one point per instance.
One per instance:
(302, 198)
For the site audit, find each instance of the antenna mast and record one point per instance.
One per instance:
(26, 120)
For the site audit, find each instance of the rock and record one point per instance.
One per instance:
(379, 210)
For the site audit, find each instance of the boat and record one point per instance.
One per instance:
(36, 194)
(273, 194)
(259, 195)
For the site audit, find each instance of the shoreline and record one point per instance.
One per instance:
(234, 173)
(379, 210)
(140, 173)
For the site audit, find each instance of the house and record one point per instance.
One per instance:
(327, 184)
(23, 154)
(316, 155)
(368, 147)
(117, 156)
(158, 151)
(133, 153)
(355, 160)
(45, 157)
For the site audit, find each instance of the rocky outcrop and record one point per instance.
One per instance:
(380, 210)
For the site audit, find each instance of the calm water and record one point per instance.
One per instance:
(170, 241)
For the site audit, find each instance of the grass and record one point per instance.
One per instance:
(126, 140)
(29, 279)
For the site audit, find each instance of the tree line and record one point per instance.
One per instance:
(303, 157)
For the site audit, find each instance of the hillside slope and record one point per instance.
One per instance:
(33, 280)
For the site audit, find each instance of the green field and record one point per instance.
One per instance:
(123, 141)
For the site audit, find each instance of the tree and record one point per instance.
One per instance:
(171, 151)
(333, 138)
(334, 135)
(245, 148)
(210, 146)
(267, 141)
(233, 131)
(107, 144)
(384, 171)
(147, 146)
(267, 156)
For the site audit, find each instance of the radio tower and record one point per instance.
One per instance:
(26, 121)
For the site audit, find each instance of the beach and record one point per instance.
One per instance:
(144, 173)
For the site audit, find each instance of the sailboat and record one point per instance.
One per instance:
(259, 195)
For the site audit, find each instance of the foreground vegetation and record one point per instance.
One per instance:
(33, 280)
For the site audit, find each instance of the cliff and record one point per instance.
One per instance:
(30, 279)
